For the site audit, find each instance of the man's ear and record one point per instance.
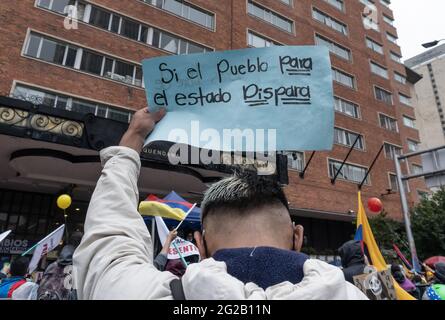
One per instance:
(200, 244)
(298, 237)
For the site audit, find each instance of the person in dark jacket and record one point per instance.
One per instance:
(352, 259)
(56, 283)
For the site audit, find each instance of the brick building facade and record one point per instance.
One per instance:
(95, 67)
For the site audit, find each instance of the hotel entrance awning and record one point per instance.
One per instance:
(50, 150)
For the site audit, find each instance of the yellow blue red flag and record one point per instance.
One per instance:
(365, 235)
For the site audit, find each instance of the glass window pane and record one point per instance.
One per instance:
(99, 18)
(117, 115)
(115, 23)
(194, 49)
(169, 43)
(59, 5)
(173, 6)
(44, 3)
(71, 57)
(130, 29)
(83, 107)
(33, 46)
(91, 63)
(108, 68)
(61, 103)
(144, 34)
(123, 72)
(52, 51)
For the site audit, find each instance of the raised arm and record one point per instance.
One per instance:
(114, 260)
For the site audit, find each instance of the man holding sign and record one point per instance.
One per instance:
(249, 246)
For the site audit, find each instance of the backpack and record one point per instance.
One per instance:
(57, 283)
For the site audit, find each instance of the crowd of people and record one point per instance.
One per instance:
(55, 284)
(422, 285)
(249, 248)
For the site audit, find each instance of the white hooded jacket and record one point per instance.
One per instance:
(115, 258)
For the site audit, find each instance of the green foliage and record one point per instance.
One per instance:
(428, 225)
(387, 232)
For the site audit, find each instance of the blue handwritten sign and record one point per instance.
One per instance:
(284, 92)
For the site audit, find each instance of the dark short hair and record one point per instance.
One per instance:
(19, 267)
(242, 192)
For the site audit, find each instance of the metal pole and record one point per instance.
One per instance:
(344, 161)
(405, 209)
(370, 168)
(307, 165)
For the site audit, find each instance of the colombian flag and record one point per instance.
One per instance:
(364, 234)
(171, 207)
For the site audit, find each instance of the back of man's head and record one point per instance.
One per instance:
(19, 267)
(246, 210)
(242, 193)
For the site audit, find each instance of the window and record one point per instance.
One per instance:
(386, 3)
(335, 48)
(346, 107)
(349, 172)
(409, 122)
(379, 70)
(99, 18)
(383, 95)
(405, 99)
(295, 160)
(258, 41)
(347, 138)
(64, 54)
(339, 4)
(130, 29)
(270, 17)
(416, 169)
(393, 184)
(51, 51)
(413, 145)
(388, 123)
(395, 57)
(136, 31)
(371, 44)
(343, 78)
(288, 2)
(391, 38)
(329, 21)
(399, 78)
(388, 20)
(56, 100)
(55, 5)
(186, 11)
(92, 63)
(391, 151)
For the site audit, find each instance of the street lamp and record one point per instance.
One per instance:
(432, 43)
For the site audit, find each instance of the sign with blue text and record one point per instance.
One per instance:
(277, 98)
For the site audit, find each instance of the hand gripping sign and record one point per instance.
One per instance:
(281, 96)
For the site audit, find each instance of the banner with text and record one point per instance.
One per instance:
(286, 90)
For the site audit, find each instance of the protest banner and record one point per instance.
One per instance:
(4, 235)
(377, 285)
(179, 248)
(47, 244)
(283, 95)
